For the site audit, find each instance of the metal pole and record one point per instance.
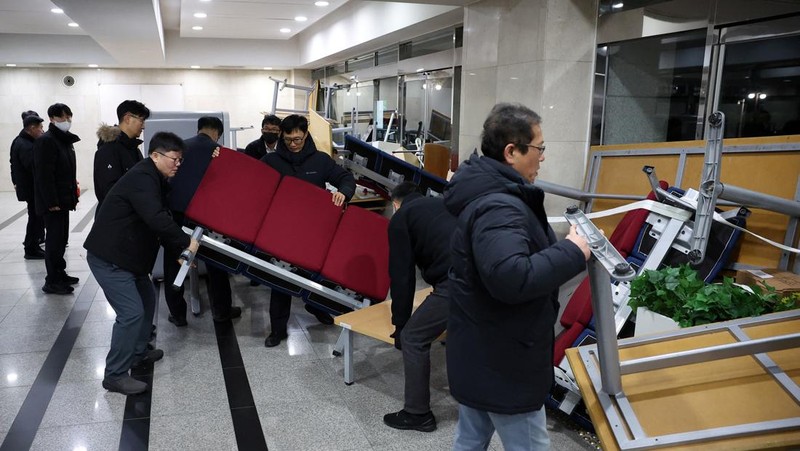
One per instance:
(602, 305)
(750, 198)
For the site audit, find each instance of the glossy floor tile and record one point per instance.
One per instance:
(290, 397)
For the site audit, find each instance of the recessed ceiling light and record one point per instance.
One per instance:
(197, 28)
(11, 65)
(420, 69)
(195, 67)
(205, 1)
(57, 11)
(200, 15)
(618, 5)
(73, 25)
(93, 65)
(285, 30)
(300, 18)
(267, 68)
(321, 3)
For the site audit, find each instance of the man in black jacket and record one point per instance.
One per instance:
(200, 149)
(55, 191)
(419, 236)
(112, 160)
(506, 270)
(270, 130)
(297, 156)
(22, 178)
(122, 248)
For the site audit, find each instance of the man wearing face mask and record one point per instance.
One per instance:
(55, 190)
(22, 177)
(270, 130)
(115, 158)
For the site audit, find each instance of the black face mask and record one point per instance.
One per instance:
(270, 138)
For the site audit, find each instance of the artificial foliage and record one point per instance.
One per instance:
(678, 292)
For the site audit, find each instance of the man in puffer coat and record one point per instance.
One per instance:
(506, 270)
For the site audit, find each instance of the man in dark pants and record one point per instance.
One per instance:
(22, 177)
(55, 190)
(200, 149)
(122, 248)
(297, 156)
(113, 159)
(419, 235)
(270, 130)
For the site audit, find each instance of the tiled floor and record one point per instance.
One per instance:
(297, 388)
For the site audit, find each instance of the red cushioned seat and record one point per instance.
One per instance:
(359, 256)
(299, 225)
(564, 340)
(234, 195)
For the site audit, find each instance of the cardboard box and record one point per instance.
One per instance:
(784, 282)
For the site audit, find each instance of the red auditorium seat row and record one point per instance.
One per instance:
(293, 221)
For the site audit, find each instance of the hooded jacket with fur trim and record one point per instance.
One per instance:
(118, 154)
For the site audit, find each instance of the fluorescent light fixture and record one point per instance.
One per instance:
(618, 5)
(195, 67)
(93, 65)
(200, 15)
(57, 11)
(267, 68)
(197, 28)
(321, 3)
(73, 25)
(300, 18)
(285, 30)
(11, 65)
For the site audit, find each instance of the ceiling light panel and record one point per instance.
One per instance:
(252, 19)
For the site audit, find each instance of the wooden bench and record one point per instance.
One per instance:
(374, 321)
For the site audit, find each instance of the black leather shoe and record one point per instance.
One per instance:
(125, 385)
(148, 358)
(54, 288)
(322, 317)
(34, 254)
(178, 322)
(69, 280)
(425, 422)
(234, 313)
(275, 339)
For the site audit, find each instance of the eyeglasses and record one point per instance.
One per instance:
(297, 140)
(176, 160)
(539, 148)
(139, 118)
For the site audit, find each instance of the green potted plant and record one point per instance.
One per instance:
(678, 293)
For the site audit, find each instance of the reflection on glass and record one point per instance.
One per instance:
(760, 88)
(652, 89)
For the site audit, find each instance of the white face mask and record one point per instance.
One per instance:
(63, 126)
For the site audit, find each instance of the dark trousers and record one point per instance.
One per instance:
(57, 224)
(280, 306)
(426, 324)
(133, 299)
(34, 231)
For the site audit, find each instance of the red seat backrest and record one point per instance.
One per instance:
(234, 195)
(300, 224)
(359, 256)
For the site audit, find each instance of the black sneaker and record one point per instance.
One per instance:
(34, 254)
(125, 385)
(234, 313)
(425, 422)
(55, 288)
(69, 280)
(148, 358)
(275, 339)
(322, 317)
(178, 322)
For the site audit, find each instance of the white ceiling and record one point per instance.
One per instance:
(236, 33)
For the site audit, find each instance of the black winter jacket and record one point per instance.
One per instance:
(196, 159)
(257, 149)
(507, 267)
(22, 166)
(419, 234)
(133, 219)
(54, 170)
(112, 160)
(312, 166)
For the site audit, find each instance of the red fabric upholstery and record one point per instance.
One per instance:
(299, 225)
(234, 195)
(564, 340)
(359, 256)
